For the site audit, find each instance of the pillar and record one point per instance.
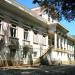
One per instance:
(59, 42)
(62, 42)
(65, 46)
(55, 40)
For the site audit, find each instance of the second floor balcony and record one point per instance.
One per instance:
(13, 43)
(26, 42)
(2, 42)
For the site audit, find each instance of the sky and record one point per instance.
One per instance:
(69, 25)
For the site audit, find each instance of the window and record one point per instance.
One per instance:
(35, 54)
(52, 41)
(13, 31)
(58, 53)
(35, 37)
(48, 17)
(44, 40)
(12, 53)
(61, 53)
(61, 43)
(25, 34)
(40, 15)
(57, 42)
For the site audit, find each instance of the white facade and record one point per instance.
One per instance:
(21, 29)
(18, 31)
(63, 45)
(37, 40)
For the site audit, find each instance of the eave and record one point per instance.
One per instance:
(62, 27)
(71, 38)
(24, 12)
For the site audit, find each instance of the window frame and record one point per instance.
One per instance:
(25, 34)
(35, 37)
(14, 31)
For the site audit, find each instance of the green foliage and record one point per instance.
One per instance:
(58, 8)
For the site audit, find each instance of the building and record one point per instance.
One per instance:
(27, 38)
(23, 35)
(62, 51)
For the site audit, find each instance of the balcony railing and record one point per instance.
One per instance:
(13, 43)
(1, 36)
(25, 42)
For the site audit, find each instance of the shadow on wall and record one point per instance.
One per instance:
(7, 52)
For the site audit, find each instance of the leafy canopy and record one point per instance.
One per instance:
(58, 8)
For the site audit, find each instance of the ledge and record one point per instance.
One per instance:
(60, 50)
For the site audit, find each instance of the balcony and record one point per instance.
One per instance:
(1, 36)
(26, 42)
(13, 43)
(35, 38)
(2, 42)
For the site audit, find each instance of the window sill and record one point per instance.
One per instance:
(1, 34)
(35, 42)
(14, 38)
(43, 45)
(26, 40)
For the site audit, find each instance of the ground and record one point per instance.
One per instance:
(42, 70)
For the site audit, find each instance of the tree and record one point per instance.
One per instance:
(58, 8)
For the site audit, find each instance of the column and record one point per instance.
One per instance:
(73, 48)
(73, 51)
(1, 29)
(70, 46)
(66, 44)
(63, 43)
(55, 40)
(59, 42)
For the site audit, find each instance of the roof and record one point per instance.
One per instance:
(27, 12)
(37, 10)
(71, 37)
(60, 26)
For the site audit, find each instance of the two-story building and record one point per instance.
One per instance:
(26, 37)
(23, 34)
